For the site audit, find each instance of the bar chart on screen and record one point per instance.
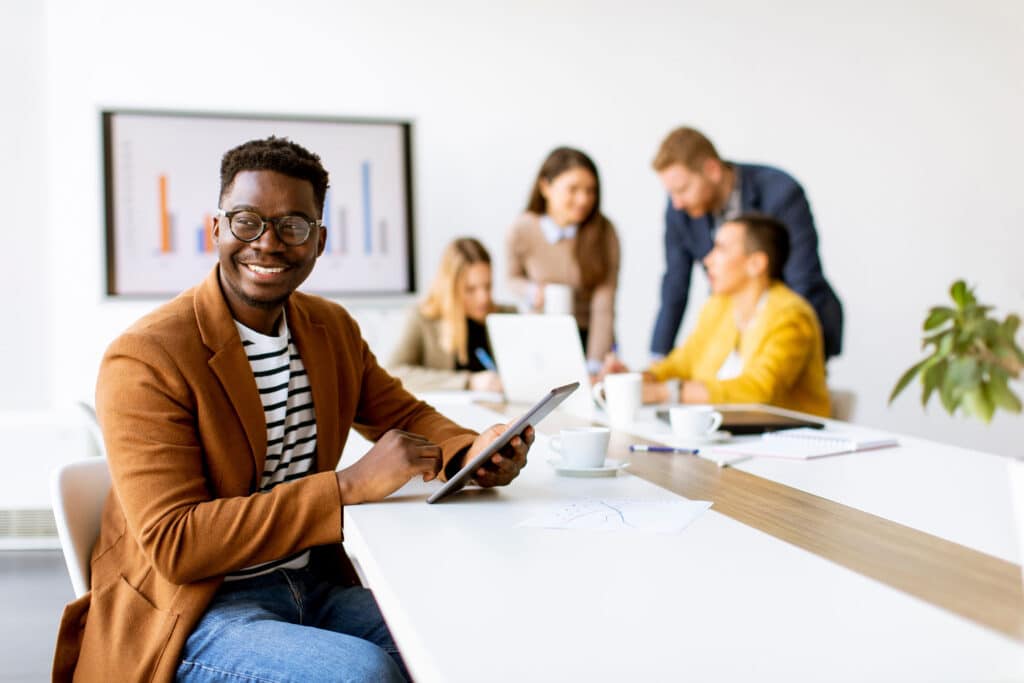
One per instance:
(162, 185)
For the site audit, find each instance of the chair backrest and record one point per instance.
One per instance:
(844, 402)
(92, 424)
(78, 490)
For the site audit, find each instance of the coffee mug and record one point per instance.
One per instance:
(557, 299)
(694, 421)
(582, 446)
(621, 395)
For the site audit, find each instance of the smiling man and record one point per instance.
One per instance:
(224, 414)
(704, 191)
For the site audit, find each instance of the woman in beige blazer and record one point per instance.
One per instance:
(445, 335)
(563, 238)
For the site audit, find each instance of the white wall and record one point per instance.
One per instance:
(26, 284)
(901, 120)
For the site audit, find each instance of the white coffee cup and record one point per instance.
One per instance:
(694, 422)
(557, 299)
(582, 446)
(621, 395)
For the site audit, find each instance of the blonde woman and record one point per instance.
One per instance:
(445, 343)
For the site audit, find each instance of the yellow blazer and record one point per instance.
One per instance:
(782, 352)
(186, 441)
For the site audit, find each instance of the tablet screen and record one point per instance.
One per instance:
(531, 417)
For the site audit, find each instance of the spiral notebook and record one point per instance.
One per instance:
(806, 443)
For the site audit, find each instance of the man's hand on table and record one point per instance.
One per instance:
(396, 458)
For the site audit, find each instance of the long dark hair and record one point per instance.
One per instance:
(593, 231)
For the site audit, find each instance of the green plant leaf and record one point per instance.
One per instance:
(1001, 394)
(945, 345)
(959, 293)
(938, 316)
(990, 330)
(949, 402)
(906, 379)
(977, 403)
(936, 338)
(964, 374)
(1011, 325)
(931, 379)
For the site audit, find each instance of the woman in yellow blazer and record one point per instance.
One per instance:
(756, 341)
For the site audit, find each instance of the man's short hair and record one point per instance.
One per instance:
(686, 146)
(764, 233)
(275, 154)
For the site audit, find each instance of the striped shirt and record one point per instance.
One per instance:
(291, 423)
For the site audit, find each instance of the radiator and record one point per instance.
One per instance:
(32, 446)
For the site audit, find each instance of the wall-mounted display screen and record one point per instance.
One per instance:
(162, 178)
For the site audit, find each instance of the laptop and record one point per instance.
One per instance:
(535, 352)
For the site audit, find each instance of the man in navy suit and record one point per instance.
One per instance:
(704, 192)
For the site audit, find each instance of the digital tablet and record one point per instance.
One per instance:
(531, 417)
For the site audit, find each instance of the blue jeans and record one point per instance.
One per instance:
(290, 625)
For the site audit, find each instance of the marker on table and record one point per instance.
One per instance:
(485, 359)
(644, 448)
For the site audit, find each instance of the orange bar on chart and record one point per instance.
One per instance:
(165, 218)
(208, 243)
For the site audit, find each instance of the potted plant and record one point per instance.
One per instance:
(970, 364)
(973, 357)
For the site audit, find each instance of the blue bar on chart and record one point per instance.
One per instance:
(367, 210)
(204, 235)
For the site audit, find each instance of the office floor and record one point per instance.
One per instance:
(34, 587)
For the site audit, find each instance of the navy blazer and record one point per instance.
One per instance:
(766, 190)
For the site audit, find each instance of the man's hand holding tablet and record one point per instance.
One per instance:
(504, 465)
(498, 454)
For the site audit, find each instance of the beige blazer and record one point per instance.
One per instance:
(421, 361)
(186, 440)
(531, 259)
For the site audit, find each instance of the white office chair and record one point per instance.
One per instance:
(92, 424)
(78, 491)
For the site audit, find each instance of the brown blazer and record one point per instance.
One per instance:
(420, 359)
(186, 441)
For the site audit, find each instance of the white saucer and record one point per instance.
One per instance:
(720, 436)
(609, 469)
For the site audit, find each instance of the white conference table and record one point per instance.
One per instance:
(954, 493)
(471, 596)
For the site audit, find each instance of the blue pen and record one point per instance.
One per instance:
(643, 448)
(485, 359)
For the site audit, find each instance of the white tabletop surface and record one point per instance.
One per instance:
(470, 596)
(954, 493)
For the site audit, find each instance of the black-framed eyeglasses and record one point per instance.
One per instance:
(249, 226)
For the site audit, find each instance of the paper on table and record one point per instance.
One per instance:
(803, 444)
(653, 517)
